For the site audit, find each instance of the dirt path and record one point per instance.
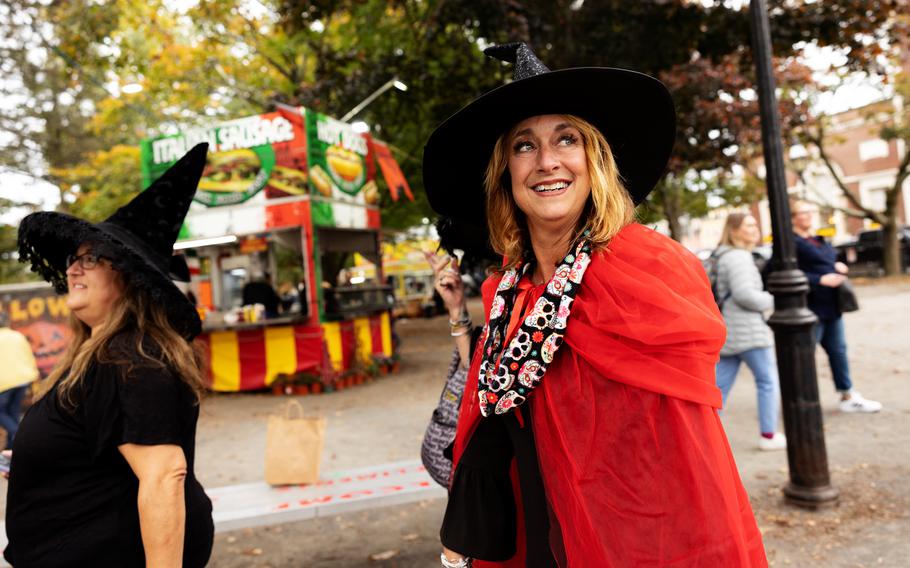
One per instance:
(384, 421)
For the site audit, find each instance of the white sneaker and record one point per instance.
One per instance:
(856, 403)
(778, 442)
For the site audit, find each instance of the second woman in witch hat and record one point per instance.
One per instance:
(102, 469)
(594, 374)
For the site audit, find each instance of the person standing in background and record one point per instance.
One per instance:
(818, 260)
(20, 370)
(742, 303)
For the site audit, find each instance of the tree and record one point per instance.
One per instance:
(702, 53)
(230, 58)
(11, 270)
(51, 107)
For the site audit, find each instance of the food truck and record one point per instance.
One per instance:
(410, 276)
(286, 202)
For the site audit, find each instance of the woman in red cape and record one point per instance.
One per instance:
(588, 433)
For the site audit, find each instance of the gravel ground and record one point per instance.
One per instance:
(383, 421)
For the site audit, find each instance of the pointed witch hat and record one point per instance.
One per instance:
(633, 111)
(138, 238)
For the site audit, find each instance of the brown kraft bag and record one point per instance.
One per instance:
(293, 447)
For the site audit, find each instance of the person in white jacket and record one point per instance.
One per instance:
(749, 340)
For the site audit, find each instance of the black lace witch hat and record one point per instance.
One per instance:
(139, 237)
(633, 111)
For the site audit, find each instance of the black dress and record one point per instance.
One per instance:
(72, 499)
(481, 518)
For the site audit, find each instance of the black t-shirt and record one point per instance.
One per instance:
(72, 497)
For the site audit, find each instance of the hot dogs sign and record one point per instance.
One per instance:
(341, 167)
(337, 155)
(285, 153)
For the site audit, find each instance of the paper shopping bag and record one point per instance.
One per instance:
(293, 447)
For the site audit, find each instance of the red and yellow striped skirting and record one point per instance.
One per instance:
(250, 359)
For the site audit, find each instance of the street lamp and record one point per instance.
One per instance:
(792, 322)
(360, 127)
(393, 82)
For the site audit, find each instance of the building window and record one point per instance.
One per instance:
(871, 149)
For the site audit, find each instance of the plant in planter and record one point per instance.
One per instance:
(282, 384)
(304, 381)
(339, 381)
(328, 377)
(374, 367)
(395, 365)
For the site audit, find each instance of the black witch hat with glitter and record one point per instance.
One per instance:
(138, 238)
(632, 110)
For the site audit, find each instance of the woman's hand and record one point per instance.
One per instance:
(841, 268)
(448, 283)
(832, 280)
(161, 471)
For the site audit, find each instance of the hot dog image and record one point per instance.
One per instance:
(321, 180)
(344, 164)
(231, 171)
(371, 193)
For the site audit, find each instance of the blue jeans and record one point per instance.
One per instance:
(830, 334)
(761, 362)
(10, 407)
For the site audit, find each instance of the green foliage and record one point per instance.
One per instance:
(107, 180)
(11, 270)
(230, 58)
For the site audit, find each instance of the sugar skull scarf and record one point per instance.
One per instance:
(508, 376)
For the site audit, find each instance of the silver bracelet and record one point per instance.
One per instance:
(446, 563)
(465, 319)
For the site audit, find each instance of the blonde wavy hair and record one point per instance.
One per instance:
(734, 222)
(139, 318)
(608, 210)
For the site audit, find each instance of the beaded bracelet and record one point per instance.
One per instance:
(462, 326)
(465, 319)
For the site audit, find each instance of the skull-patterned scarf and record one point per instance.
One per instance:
(508, 377)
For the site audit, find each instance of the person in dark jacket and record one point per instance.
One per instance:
(259, 291)
(102, 470)
(818, 260)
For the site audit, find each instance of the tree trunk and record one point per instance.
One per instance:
(891, 247)
(669, 198)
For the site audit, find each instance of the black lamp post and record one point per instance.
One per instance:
(792, 322)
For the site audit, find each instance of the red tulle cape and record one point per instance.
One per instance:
(634, 459)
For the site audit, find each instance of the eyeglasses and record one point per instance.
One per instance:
(86, 260)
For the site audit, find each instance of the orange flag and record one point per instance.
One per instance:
(391, 171)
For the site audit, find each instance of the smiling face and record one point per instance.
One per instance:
(92, 292)
(747, 234)
(548, 168)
